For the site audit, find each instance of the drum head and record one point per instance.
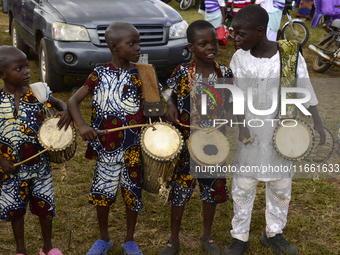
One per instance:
(208, 147)
(294, 140)
(49, 135)
(164, 142)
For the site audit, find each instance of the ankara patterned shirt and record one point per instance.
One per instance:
(116, 103)
(18, 135)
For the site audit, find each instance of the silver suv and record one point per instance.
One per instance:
(67, 36)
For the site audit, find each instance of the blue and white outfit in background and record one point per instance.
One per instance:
(274, 9)
(213, 12)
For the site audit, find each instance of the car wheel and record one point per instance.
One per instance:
(17, 41)
(47, 72)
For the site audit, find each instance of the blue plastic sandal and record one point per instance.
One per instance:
(100, 247)
(131, 248)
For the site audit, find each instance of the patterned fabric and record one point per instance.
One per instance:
(106, 181)
(116, 103)
(289, 53)
(15, 194)
(179, 83)
(278, 194)
(212, 191)
(279, 4)
(236, 5)
(18, 139)
(182, 184)
(212, 6)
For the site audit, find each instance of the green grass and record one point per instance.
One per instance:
(313, 221)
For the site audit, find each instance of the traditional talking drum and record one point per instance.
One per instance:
(321, 152)
(294, 139)
(160, 151)
(63, 142)
(208, 147)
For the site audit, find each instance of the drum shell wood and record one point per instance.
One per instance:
(59, 155)
(63, 155)
(158, 171)
(161, 173)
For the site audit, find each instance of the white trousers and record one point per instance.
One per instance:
(278, 194)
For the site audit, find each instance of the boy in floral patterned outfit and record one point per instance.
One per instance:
(201, 74)
(21, 114)
(116, 102)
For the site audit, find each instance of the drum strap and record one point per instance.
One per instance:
(152, 103)
(289, 53)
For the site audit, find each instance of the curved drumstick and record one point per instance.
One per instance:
(106, 131)
(188, 126)
(197, 127)
(245, 140)
(28, 159)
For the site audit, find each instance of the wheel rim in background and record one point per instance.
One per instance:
(43, 66)
(185, 4)
(14, 37)
(320, 65)
(300, 28)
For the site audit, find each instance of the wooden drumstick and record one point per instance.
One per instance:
(189, 126)
(106, 131)
(247, 140)
(28, 159)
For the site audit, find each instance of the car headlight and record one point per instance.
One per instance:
(178, 30)
(66, 32)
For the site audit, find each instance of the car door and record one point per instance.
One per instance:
(23, 15)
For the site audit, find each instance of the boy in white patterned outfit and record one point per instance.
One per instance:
(257, 65)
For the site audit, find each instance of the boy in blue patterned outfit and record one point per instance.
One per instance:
(21, 114)
(116, 102)
(199, 75)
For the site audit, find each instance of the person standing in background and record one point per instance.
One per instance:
(215, 12)
(305, 8)
(274, 9)
(235, 5)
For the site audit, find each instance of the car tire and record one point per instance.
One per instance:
(17, 41)
(47, 72)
